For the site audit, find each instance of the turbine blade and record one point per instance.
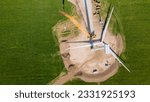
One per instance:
(80, 11)
(84, 46)
(106, 25)
(76, 23)
(78, 42)
(97, 40)
(88, 10)
(100, 48)
(116, 56)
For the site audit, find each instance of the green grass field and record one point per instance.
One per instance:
(28, 51)
(30, 55)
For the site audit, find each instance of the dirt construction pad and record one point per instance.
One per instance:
(84, 63)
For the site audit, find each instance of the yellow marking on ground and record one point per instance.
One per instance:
(76, 23)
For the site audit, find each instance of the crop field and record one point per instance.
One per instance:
(29, 53)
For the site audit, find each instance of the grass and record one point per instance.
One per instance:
(78, 82)
(28, 53)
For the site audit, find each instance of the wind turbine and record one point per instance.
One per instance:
(102, 44)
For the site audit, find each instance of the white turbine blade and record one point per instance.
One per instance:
(112, 52)
(84, 46)
(96, 49)
(88, 11)
(106, 26)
